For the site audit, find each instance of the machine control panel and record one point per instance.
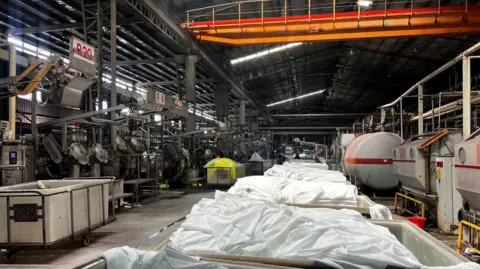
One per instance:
(13, 158)
(17, 165)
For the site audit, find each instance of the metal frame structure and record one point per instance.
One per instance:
(250, 22)
(12, 248)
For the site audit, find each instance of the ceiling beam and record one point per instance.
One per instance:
(171, 82)
(143, 61)
(62, 27)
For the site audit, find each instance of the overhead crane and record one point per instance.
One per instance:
(261, 29)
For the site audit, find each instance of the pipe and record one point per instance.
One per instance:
(167, 20)
(436, 72)
(303, 128)
(320, 115)
(12, 103)
(453, 106)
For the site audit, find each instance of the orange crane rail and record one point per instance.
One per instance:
(340, 26)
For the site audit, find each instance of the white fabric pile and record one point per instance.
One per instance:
(342, 239)
(283, 190)
(167, 258)
(305, 173)
(315, 165)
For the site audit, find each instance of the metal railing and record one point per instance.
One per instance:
(260, 12)
(422, 214)
(460, 236)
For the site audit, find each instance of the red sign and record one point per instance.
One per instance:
(178, 103)
(160, 98)
(83, 50)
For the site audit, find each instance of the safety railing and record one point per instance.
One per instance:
(260, 12)
(460, 236)
(418, 202)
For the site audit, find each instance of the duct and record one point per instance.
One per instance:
(190, 78)
(167, 20)
(221, 102)
(444, 67)
(241, 120)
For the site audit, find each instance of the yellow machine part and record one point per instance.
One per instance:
(221, 163)
(31, 85)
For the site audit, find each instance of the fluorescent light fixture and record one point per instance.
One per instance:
(158, 117)
(265, 53)
(295, 98)
(15, 41)
(365, 3)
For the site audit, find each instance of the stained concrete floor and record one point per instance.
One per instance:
(132, 228)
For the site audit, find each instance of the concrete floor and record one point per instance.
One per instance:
(132, 228)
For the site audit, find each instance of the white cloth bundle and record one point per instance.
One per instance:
(305, 173)
(322, 166)
(282, 190)
(342, 239)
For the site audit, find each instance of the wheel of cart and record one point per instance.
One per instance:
(11, 255)
(86, 240)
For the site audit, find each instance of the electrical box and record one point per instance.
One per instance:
(449, 199)
(17, 163)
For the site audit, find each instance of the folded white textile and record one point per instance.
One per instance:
(283, 190)
(380, 212)
(322, 166)
(167, 258)
(304, 173)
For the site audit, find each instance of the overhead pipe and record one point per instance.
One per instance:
(320, 115)
(304, 128)
(447, 108)
(166, 19)
(444, 67)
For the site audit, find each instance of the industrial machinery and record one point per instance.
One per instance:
(339, 148)
(368, 158)
(467, 165)
(424, 167)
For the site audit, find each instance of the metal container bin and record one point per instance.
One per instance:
(428, 250)
(50, 211)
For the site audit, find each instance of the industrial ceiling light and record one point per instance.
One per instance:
(295, 98)
(365, 3)
(264, 53)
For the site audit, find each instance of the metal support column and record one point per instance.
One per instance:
(420, 109)
(466, 97)
(12, 103)
(34, 134)
(100, 63)
(433, 115)
(113, 56)
(401, 118)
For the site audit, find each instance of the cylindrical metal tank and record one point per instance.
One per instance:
(369, 158)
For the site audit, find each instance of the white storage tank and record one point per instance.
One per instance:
(369, 158)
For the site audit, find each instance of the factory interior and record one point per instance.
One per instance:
(142, 134)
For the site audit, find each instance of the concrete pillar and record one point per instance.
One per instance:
(12, 103)
(466, 97)
(420, 109)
